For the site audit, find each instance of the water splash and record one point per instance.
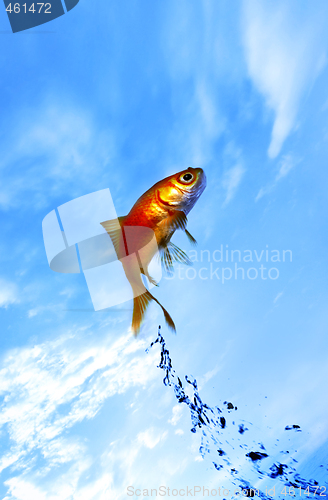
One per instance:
(213, 421)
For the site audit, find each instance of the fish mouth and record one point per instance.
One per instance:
(201, 178)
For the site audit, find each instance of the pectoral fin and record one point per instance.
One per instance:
(171, 253)
(140, 304)
(178, 220)
(190, 238)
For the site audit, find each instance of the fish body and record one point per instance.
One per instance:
(149, 227)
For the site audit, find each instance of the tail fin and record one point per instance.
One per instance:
(140, 304)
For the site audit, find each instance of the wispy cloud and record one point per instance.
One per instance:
(150, 437)
(176, 414)
(8, 293)
(231, 180)
(285, 48)
(278, 296)
(52, 149)
(189, 39)
(51, 387)
(285, 165)
(232, 175)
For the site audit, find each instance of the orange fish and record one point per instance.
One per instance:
(149, 227)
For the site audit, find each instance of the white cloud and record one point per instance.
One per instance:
(8, 293)
(52, 148)
(176, 414)
(29, 488)
(190, 40)
(197, 127)
(32, 312)
(208, 375)
(231, 181)
(280, 294)
(285, 45)
(50, 387)
(150, 438)
(285, 165)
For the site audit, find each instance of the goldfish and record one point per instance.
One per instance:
(148, 228)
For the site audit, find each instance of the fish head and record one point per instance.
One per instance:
(181, 191)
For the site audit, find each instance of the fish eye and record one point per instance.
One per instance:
(186, 178)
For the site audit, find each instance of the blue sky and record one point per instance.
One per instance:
(119, 95)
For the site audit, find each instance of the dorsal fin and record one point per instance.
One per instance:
(114, 229)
